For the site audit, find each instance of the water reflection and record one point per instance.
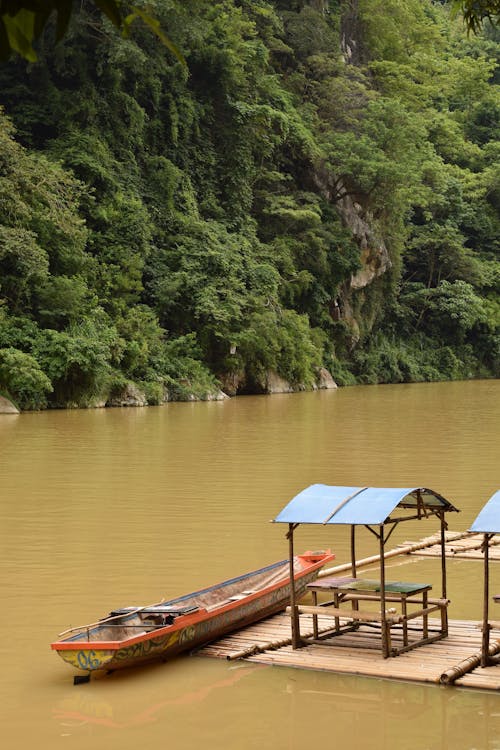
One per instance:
(390, 714)
(79, 710)
(266, 707)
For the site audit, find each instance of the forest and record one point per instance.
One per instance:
(310, 184)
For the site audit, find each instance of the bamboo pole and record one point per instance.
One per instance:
(486, 625)
(443, 555)
(404, 550)
(467, 665)
(354, 574)
(469, 546)
(293, 597)
(353, 550)
(385, 625)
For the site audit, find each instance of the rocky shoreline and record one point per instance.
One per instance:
(132, 396)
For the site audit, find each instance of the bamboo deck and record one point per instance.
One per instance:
(453, 660)
(359, 652)
(468, 547)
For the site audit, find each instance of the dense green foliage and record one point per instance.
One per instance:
(318, 186)
(22, 22)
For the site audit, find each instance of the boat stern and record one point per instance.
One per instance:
(87, 659)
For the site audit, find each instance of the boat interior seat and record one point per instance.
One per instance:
(165, 610)
(173, 610)
(121, 611)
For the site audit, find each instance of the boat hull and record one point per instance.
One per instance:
(187, 632)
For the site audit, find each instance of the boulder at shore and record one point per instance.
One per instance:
(7, 407)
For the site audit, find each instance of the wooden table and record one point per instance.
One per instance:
(352, 591)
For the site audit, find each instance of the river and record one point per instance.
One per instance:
(113, 507)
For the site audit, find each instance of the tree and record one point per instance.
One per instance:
(23, 21)
(281, 203)
(23, 378)
(475, 12)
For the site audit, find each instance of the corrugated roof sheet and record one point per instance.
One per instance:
(488, 519)
(323, 504)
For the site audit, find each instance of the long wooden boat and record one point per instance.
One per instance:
(135, 635)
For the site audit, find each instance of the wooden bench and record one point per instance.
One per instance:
(354, 614)
(368, 616)
(353, 591)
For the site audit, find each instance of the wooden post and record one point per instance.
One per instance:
(355, 603)
(293, 599)
(486, 625)
(353, 550)
(443, 555)
(385, 645)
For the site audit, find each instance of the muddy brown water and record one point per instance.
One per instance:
(108, 508)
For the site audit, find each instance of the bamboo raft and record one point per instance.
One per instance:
(463, 546)
(455, 660)
(358, 653)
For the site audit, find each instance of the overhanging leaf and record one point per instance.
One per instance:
(19, 29)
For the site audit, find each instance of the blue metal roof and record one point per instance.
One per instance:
(488, 520)
(323, 504)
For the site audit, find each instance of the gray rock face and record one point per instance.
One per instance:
(233, 382)
(325, 380)
(129, 396)
(217, 395)
(374, 255)
(7, 407)
(276, 384)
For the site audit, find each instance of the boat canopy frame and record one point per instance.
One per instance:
(487, 523)
(375, 508)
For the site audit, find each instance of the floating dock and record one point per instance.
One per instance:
(454, 660)
(462, 546)
(359, 652)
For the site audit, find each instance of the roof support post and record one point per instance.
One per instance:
(293, 597)
(443, 554)
(385, 645)
(355, 603)
(353, 550)
(485, 657)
